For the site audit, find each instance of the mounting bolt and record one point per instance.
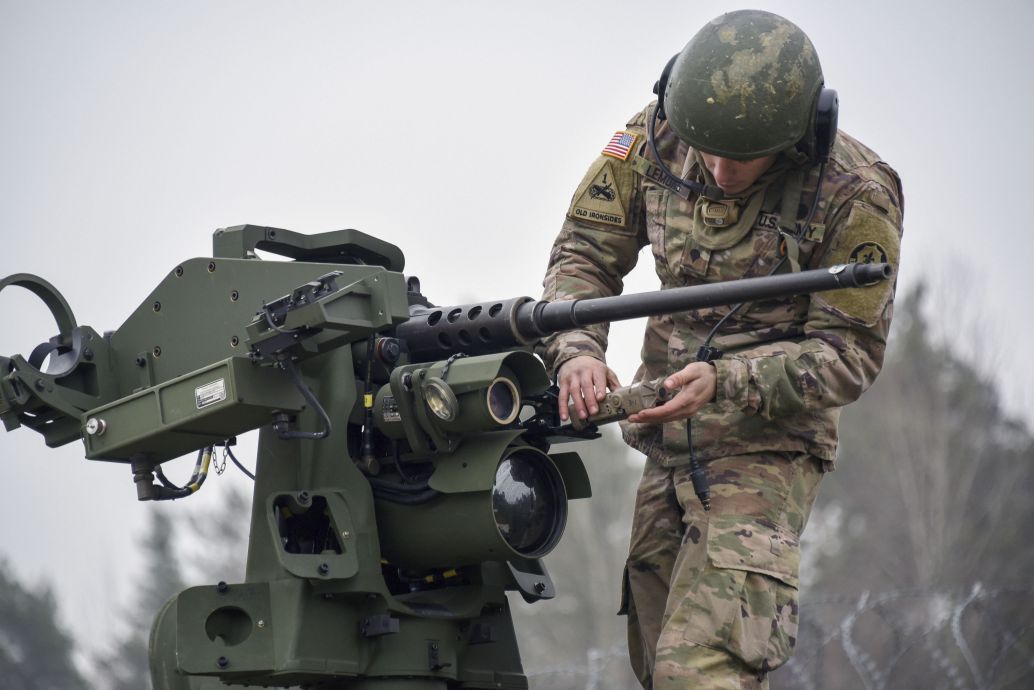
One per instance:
(540, 587)
(323, 569)
(261, 624)
(141, 361)
(222, 662)
(96, 427)
(222, 587)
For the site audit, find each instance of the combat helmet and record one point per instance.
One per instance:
(746, 86)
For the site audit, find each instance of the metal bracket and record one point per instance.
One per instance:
(381, 624)
(433, 656)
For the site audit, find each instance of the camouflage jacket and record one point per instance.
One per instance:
(789, 365)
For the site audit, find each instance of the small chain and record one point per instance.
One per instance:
(220, 467)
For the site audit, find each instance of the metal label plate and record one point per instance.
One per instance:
(210, 393)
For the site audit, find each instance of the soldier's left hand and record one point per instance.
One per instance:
(698, 383)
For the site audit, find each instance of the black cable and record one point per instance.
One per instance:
(398, 463)
(779, 264)
(368, 459)
(709, 191)
(272, 324)
(170, 492)
(235, 461)
(286, 434)
(408, 494)
(707, 353)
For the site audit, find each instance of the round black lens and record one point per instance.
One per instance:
(529, 503)
(502, 400)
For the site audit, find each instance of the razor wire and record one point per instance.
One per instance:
(977, 638)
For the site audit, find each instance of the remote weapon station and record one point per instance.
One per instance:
(404, 481)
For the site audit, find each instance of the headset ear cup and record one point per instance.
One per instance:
(661, 85)
(826, 107)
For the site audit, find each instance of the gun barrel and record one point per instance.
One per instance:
(472, 329)
(552, 317)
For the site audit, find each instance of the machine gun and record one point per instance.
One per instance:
(404, 481)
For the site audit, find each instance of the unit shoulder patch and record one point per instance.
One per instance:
(868, 253)
(604, 195)
(867, 236)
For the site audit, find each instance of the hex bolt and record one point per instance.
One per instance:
(261, 624)
(211, 267)
(40, 385)
(323, 569)
(141, 361)
(222, 587)
(303, 496)
(222, 662)
(87, 354)
(540, 587)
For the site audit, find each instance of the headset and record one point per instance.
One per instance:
(817, 144)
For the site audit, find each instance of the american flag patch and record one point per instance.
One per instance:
(620, 145)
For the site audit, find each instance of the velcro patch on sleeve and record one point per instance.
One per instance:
(604, 195)
(867, 236)
(620, 145)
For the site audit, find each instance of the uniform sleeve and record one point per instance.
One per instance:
(845, 333)
(597, 246)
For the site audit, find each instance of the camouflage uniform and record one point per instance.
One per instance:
(711, 597)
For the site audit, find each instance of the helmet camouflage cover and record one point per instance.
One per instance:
(744, 86)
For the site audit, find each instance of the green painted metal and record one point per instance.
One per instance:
(384, 535)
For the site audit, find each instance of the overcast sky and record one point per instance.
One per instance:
(132, 129)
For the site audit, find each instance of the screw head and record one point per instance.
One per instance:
(323, 569)
(222, 662)
(95, 426)
(222, 587)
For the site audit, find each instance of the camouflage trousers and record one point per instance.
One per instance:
(711, 597)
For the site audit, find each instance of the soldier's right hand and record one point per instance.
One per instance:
(583, 382)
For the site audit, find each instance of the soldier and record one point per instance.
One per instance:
(763, 183)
